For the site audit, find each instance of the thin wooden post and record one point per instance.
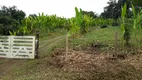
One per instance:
(116, 39)
(66, 44)
(37, 45)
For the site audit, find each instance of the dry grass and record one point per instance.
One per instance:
(98, 66)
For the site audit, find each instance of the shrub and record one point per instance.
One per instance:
(103, 26)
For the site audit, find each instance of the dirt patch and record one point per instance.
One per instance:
(82, 62)
(134, 60)
(101, 65)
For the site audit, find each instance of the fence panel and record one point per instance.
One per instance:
(17, 47)
(4, 46)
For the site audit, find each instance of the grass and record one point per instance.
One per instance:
(106, 38)
(41, 69)
(45, 36)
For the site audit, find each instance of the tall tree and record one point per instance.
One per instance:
(12, 12)
(113, 10)
(137, 2)
(10, 18)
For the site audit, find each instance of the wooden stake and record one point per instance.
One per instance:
(116, 39)
(37, 45)
(66, 43)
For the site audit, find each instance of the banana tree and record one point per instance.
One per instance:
(137, 18)
(137, 21)
(125, 27)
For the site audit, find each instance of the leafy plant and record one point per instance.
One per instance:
(125, 25)
(137, 18)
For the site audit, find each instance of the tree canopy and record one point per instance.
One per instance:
(10, 18)
(137, 2)
(113, 10)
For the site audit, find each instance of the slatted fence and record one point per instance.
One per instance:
(17, 47)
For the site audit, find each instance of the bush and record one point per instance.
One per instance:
(115, 24)
(103, 26)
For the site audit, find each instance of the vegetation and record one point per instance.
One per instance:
(91, 43)
(10, 19)
(50, 66)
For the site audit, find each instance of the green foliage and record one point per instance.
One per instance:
(137, 18)
(12, 12)
(83, 21)
(123, 15)
(104, 26)
(101, 21)
(42, 23)
(10, 19)
(79, 20)
(7, 24)
(137, 2)
(134, 16)
(113, 10)
(126, 26)
(47, 24)
(127, 34)
(90, 13)
(79, 17)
